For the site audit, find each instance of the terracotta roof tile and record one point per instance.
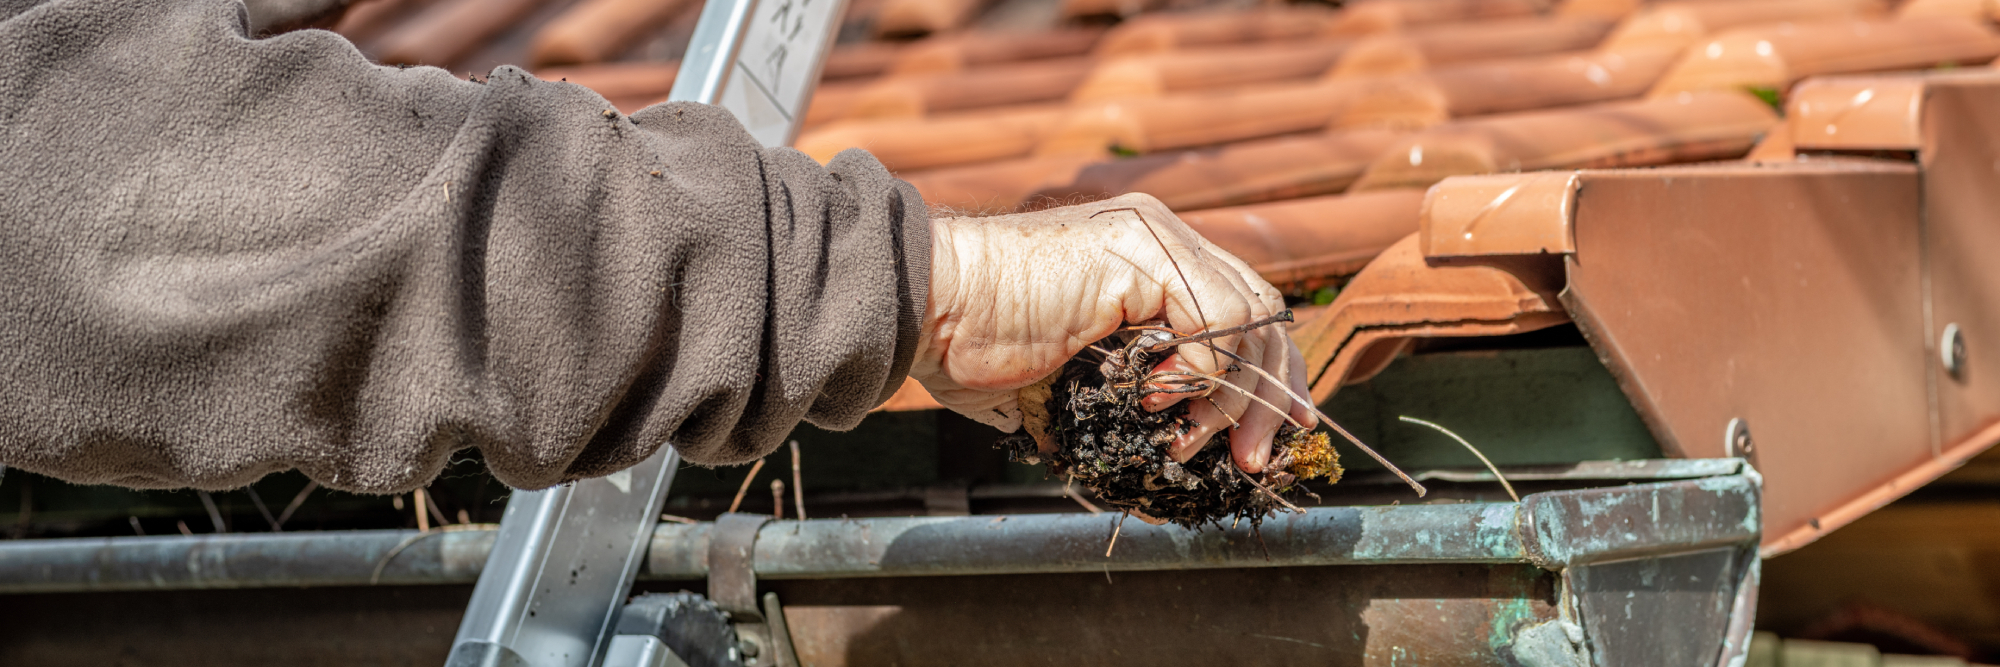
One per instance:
(898, 18)
(1090, 9)
(1777, 56)
(446, 31)
(1375, 16)
(951, 53)
(1304, 244)
(1456, 43)
(598, 30)
(1681, 128)
(1964, 9)
(1239, 173)
(1166, 31)
(1684, 23)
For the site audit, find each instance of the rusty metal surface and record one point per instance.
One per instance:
(1434, 615)
(1789, 298)
(1673, 610)
(1563, 530)
(1555, 528)
(245, 560)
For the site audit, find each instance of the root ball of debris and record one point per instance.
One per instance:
(1106, 441)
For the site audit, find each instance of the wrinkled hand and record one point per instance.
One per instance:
(1013, 297)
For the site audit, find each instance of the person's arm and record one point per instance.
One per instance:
(222, 257)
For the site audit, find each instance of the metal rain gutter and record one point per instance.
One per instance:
(1555, 530)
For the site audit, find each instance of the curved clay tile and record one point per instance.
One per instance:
(904, 18)
(364, 21)
(998, 187)
(1682, 128)
(1090, 9)
(449, 30)
(1368, 17)
(1684, 23)
(1020, 83)
(1776, 56)
(951, 53)
(1151, 33)
(1178, 71)
(1607, 9)
(1305, 244)
(959, 139)
(598, 30)
(1986, 10)
(1240, 173)
(1540, 83)
(1399, 297)
(865, 59)
(629, 86)
(1464, 42)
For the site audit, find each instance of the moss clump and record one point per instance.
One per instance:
(1103, 439)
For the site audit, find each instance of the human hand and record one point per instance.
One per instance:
(1013, 297)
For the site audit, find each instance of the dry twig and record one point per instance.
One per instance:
(798, 484)
(738, 501)
(1475, 452)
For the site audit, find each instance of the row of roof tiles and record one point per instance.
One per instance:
(1299, 137)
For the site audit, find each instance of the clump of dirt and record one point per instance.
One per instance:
(1105, 441)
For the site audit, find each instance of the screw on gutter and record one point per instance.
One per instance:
(1737, 441)
(1952, 351)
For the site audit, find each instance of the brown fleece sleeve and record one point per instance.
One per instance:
(222, 257)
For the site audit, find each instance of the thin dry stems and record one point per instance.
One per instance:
(1474, 450)
(1114, 533)
(423, 517)
(1267, 490)
(1094, 509)
(1185, 284)
(738, 502)
(297, 500)
(798, 484)
(1330, 423)
(1225, 383)
(778, 500)
(1281, 316)
(1287, 316)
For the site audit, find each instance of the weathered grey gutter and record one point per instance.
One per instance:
(1553, 529)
